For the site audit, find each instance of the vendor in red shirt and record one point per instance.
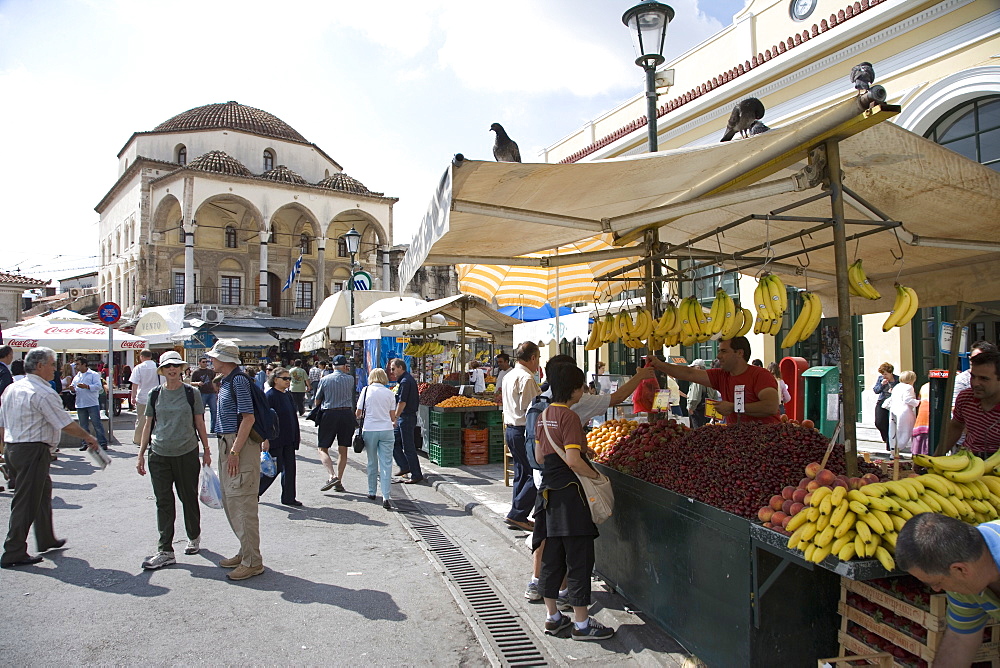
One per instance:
(758, 386)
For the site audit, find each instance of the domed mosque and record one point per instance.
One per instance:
(215, 206)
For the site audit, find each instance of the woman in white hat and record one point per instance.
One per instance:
(175, 422)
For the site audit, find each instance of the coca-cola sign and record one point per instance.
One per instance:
(23, 343)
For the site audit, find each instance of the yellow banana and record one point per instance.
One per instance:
(875, 489)
(824, 538)
(864, 531)
(884, 558)
(873, 523)
(775, 328)
(809, 530)
(782, 292)
(747, 322)
(818, 496)
(991, 482)
(798, 519)
(839, 543)
(939, 484)
(949, 463)
(821, 553)
(858, 508)
(864, 285)
(795, 333)
(931, 502)
(911, 307)
(913, 483)
(728, 316)
(899, 307)
(992, 461)
(873, 545)
(796, 537)
(970, 490)
(716, 313)
(847, 552)
(762, 300)
(897, 522)
(838, 495)
(853, 282)
(845, 524)
(885, 520)
(899, 489)
(860, 545)
(856, 495)
(807, 554)
(822, 523)
(889, 540)
(882, 504)
(593, 342)
(815, 315)
(947, 507)
(974, 471)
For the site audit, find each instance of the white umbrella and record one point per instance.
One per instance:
(72, 337)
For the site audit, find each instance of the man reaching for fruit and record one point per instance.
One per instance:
(749, 393)
(961, 559)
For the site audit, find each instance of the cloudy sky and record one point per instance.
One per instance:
(391, 90)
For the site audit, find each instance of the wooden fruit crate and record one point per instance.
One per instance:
(932, 620)
(850, 644)
(880, 659)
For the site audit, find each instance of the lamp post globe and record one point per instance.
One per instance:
(647, 23)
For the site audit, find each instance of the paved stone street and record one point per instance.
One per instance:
(346, 581)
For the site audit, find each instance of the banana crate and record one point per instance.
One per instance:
(444, 456)
(881, 616)
(445, 436)
(446, 420)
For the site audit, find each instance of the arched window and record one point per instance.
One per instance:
(271, 235)
(180, 235)
(972, 129)
(268, 160)
(304, 244)
(230, 236)
(182, 155)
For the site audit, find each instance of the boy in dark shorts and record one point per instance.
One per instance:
(562, 516)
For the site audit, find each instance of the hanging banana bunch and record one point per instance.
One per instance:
(807, 322)
(860, 286)
(771, 301)
(903, 309)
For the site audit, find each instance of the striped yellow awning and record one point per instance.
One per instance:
(536, 286)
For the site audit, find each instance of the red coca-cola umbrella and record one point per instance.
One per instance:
(74, 337)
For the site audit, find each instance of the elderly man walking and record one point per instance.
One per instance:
(31, 417)
(239, 460)
(335, 396)
(143, 379)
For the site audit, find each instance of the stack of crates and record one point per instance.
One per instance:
(475, 447)
(444, 443)
(494, 423)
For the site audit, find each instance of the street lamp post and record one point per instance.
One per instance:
(352, 240)
(648, 23)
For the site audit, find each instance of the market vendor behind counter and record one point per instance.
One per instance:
(736, 380)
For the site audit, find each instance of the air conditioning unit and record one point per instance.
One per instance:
(212, 314)
(75, 293)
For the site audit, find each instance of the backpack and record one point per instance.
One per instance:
(154, 394)
(538, 404)
(265, 425)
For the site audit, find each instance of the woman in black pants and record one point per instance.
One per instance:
(283, 448)
(883, 388)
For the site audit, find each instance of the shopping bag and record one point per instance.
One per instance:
(642, 398)
(268, 466)
(209, 488)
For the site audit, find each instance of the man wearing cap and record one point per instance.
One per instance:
(239, 460)
(404, 419)
(143, 379)
(335, 396)
(204, 379)
(87, 385)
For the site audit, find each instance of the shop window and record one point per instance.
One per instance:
(229, 290)
(268, 160)
(230, 236)
(972, 129)
(304, 294)
(305, 245)
(178, 287)
(341, 248)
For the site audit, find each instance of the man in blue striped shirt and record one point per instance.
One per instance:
(239, 460)
(335, 396)
(964, 561)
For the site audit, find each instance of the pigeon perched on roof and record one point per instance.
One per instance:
(504, 148)
(862, 76)
(758, 128)
(743, 116)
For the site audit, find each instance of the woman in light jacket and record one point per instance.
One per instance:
(375, 405)
(901, 402)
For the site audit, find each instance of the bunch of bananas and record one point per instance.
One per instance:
(725, 320)
(860, 286)
(864, 523)
(806, 323)
(635, 333)
(903, 309)
(771, 301)
(425, 348)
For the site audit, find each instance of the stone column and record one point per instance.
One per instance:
(189, 263)
(262, 303)
(321, 270)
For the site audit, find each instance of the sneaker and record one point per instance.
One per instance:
(232, 562)
(556, 627)
(532, 593)
(563, 604)
(594, 631)
(337, 487)
(387, 505)
(159, 560)
(328, 484)
(244, 572)
(193, 546)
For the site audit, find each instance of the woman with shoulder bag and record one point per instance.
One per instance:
(282, 448)
(175, 423)
(375, 408)
(562, 516)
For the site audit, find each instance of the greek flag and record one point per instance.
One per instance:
(296, 270)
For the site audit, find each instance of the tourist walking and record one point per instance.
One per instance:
(300, 385)
(143, 378)
(375, 408)
(283, 448)
(87, 385)
(335, 396)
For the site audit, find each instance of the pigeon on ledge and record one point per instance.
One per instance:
(504, 148)
(757, 128)
(862, 76)
(743, 116)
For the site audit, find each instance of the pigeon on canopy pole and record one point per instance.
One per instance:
(504, 148)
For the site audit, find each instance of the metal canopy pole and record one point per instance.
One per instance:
(845, 334)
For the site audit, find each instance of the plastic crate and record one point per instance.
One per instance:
(496, 435)
(491, 418)
(475, 449)
(446, 420)
(496, 454)
(475, 460)
(445, 436)
(444, 456)
(475, 436)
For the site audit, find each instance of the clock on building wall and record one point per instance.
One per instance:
(801, 9)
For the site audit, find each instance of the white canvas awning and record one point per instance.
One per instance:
(457, 309)
(334, 314)
(947, 206)
(73, 336)
(572, 326)
(160, 324)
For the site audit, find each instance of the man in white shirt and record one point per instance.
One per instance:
(519, 389)
(503, 364)
(31, 418)
(143, 379)
(87, 384)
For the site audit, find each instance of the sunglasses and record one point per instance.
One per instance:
(173, 366)
(283, 377)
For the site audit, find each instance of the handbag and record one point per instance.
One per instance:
(598, 491)
(359, 439)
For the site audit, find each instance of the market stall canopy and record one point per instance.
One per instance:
(566, 327)
(73, 336)
(457, 309)
(534, 313)
(334, 314)
(943, 207)
(159, 324)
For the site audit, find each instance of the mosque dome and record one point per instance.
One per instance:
(231, 116)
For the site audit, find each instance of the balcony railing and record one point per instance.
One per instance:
(222, 298)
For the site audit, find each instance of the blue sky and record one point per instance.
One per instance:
(390, 95)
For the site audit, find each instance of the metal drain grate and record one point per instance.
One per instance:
(504, 630)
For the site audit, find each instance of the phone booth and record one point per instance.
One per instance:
(791, 369)
(822, 397)
(940, 406)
